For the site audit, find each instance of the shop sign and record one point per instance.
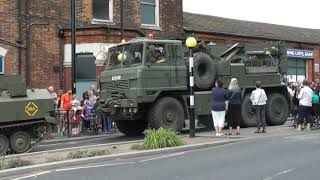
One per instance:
(299, 53)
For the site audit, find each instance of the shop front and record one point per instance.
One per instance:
(298, 61)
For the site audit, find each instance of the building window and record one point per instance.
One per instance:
(102, 10)
(1, 65)
(150, 12)
(296, 70)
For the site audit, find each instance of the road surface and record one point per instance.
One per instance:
(291, 157)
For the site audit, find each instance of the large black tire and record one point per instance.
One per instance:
(20, 142)
(167, 113)
(4, 144)
(204, 71)
(248, 117)
(132, 127)
(277, 109)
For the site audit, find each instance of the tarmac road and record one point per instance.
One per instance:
(268, 158)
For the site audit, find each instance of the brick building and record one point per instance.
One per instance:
(35, 37)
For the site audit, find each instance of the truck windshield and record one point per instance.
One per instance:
(125, 55)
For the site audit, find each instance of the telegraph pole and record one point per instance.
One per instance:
(73, 44)
(191, 43)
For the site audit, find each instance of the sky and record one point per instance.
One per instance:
(298, 13)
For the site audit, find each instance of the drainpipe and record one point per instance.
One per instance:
(61, 45)
(121, 18)
(28, 43)
(19, 38)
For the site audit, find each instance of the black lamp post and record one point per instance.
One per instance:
(73, 44)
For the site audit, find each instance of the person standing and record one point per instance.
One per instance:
(218, 107)
(234, 106)
(66, 107)
(305, 105)
(259, 100)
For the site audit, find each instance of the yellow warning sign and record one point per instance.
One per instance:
(31, 109)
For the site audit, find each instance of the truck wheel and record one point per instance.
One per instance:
(131, 127)
(20, 142)
(204, 71)
(4, 144)
(167, 113)
(277, 109)
(248, 117)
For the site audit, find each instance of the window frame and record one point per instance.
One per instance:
(95, 20)
(156, 15)
(2, 68)
(297, 67)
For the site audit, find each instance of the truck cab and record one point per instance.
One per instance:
(137, 74)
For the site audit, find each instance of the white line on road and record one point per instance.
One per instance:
(177, 154)
(87, 167)
(278, 174)
(32, 175)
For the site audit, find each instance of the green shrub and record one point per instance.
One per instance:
(161, 138)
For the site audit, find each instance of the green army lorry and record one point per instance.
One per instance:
(146, 82)
(26, 115)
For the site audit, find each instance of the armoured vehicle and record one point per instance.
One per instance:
(26, 115)
(146, 82)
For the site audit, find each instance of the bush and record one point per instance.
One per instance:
(137, 147)
(161, 138)
(13, 163)
(85, 154)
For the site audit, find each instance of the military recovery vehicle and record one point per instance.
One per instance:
(26, 115)
(146, 82)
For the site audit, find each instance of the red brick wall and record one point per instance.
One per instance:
(46, 18)
(9, 32)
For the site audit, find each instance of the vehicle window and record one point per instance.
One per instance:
(156, 54)
(126, 55)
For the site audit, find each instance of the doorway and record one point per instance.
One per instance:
(85, 73)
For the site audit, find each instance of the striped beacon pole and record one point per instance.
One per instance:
(191, 43)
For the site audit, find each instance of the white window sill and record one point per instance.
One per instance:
(151, 27)
(101, 21)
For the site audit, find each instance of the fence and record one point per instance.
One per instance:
(74, 123)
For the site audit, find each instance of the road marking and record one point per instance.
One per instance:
(32, 175)
(161, 157)
(278, 174)
(88, 167)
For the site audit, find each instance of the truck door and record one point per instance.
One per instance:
(178, 67)
(156, 76)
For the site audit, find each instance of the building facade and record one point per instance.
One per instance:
(35, 37)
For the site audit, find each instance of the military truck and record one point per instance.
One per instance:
(26, 115)
(146, 82)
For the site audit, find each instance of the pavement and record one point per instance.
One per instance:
(275, 134)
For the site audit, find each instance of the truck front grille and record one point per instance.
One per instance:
(120, 85)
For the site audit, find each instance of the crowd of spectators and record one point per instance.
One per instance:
(78, 116)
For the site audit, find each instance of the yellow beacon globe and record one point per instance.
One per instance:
(121, 57)
(191, 42)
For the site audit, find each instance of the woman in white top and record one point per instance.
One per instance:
(259, 101)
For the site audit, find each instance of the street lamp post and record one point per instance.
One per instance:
(73, 44)
(191, 43)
